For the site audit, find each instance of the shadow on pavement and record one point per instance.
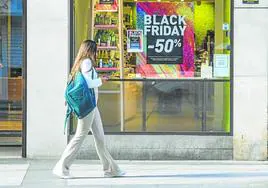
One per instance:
(210, 175)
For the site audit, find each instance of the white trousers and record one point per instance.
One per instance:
(93, 123)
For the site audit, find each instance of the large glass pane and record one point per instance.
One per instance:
(109, 106)
(217, 105)
(166, 106)
(169, 62)
(11, 68)
(134, 106)
(174, 106)
(177, 39)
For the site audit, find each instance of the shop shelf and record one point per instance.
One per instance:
(106, 7)
(107, 48)
(106, 27)
(107, 69)
(106, 10)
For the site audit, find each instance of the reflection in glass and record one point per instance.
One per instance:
(174, 106)
(217, 105)
(168, 106)
(11, 67)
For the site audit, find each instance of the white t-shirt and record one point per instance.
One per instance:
(87, 70)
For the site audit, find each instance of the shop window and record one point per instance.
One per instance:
(169, 63)
(11, 69)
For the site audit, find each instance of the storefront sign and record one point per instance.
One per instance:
(250, 1)
(106, 2)
(221, 66)
(168, 39)
(164, 38)
(134, 41)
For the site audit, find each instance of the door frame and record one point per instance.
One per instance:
(24, 76)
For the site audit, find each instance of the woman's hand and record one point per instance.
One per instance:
(104, 78)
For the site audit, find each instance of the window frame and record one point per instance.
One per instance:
(23, 132)
(200, 133)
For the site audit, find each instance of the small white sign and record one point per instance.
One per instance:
(221, 65)
(138, 75)
(206, 71)
(134, 41)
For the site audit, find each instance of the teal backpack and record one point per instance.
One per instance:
(79, 98)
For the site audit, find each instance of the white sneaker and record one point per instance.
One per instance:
(61, 172)
(114, 174)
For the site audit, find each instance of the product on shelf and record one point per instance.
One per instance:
(100, 63)
(106, 38)
(106, 33)
(127, 17)
(105, 19)
(110, 63)
(107, 7)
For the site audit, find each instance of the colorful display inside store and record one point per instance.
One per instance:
(138, 39)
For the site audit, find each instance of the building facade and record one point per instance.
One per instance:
(184, 78)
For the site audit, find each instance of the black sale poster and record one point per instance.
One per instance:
(164, 36)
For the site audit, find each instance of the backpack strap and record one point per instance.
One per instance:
(68, 114)
(93, 69)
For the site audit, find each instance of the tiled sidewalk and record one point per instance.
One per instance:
(140, 174)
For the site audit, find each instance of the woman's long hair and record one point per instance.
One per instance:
(88, 49)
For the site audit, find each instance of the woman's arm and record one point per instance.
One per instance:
(87, 71)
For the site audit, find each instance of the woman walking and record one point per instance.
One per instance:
(85, 62)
